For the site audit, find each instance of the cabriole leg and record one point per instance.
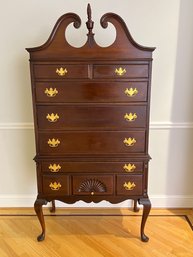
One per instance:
(135, 208)
(146, 209)
(38, 209)
(53, 208)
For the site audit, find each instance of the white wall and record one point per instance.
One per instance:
(167, 25)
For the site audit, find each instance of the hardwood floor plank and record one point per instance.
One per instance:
(96, 236)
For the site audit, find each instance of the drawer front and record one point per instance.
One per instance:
(60, 71)
(129, 185)
(80, 142)
(56, 185)
(121, 71)
(80, 117)
(55, 166)
(92, 185)
(66, 92)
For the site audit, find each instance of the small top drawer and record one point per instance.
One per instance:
(60, 71)
(121, 71)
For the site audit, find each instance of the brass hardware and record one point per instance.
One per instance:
(52, 117)
(55, 186)
(129, 167)
(53, 142)
(120, 71)
(130, 117)
(131, 92)
(92, 193)
(129, 141)
(54, 167)
(129, 186)
(61, 71)
(51, 92)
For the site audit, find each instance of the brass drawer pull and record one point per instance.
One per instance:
(120, 71)
(131, 92)
(51, 92)
(53, 142)
(129, 186)
(129, 141)
(130, 117)
(52, 117)
(55, 186)
(129, 167)
(61, 71)
(54, 167)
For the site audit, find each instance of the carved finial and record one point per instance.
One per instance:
(89, 23)
(89, 12)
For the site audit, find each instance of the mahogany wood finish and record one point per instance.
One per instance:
(91, 92)
(91, 115)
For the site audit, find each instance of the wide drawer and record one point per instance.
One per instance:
(68, 92)
(93, 185)
(129, 184)
(95, 142)
(55, 184)
(55, 166)
(78, 117)
(121, 71)
(60, 71)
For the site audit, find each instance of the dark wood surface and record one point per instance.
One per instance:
(91, 92)
(59, 166)
(91, 116)
(97, 117)
(91, 142)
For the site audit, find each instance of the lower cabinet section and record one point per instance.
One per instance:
(92, 184)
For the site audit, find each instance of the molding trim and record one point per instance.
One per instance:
(171, 125)
(158, 201)
(153, 125)
(16, 125)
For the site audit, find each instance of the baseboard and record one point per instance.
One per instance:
(158, 201)
(162, 125)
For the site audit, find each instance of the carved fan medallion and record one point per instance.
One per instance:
(92, 185)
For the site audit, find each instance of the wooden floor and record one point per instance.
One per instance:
(96, 233)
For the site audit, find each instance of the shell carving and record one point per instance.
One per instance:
(92, 185)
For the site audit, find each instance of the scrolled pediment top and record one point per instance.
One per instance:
(58, 47)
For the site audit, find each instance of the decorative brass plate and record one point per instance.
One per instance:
(55, 186)
(61, 71)
(129, 185)
(51, 92)
(130, 117)
(131, 92)
(52, 117)
(129, 167)
(120, 71)
(129, 141)
(54, 167)
(53, 142)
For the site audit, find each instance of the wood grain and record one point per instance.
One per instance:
(94, 235)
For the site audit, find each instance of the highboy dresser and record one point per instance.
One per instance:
(91, 115)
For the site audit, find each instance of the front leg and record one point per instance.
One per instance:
(146, 209)
(38, 209)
